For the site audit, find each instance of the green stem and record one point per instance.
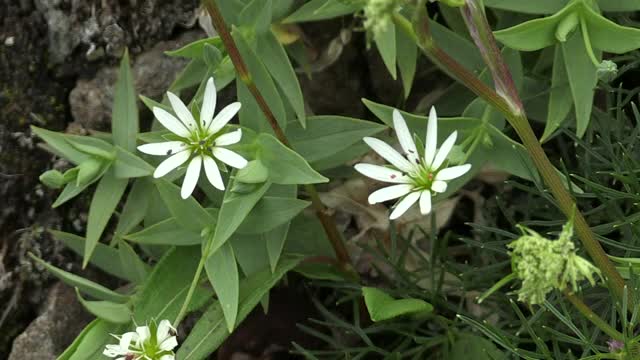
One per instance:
(591, 316)
(519, 121)
(326, 219)
(192, 288)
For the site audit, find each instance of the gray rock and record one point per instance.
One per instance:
(62, 318)
(153, 72)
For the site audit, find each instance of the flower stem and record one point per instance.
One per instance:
(192, 288)
(421, 32)
(586, 311)
(327, 221)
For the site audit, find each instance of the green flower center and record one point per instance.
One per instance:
(423, 177)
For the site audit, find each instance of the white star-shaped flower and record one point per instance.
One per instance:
(418, 177)
(198, 143)
(155, 342)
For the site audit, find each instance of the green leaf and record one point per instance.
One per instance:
(463, 50)
(251, 253)
(165, 232)
(209, 332)
(187, 212)
(407, 55)
(90, 343)
(271, 212)
(582, 78)
(190, 76)
(72, 190)
(195, 49)
(107, 310)
(560, 101)
(328, 135)
(529, 7)
(481, 348)
(386, 44)
(124, 118)
(103, 204)
(104, 257)
(275, 241)
(382, 307)
(256, 15)
(605, 35)
(165, 290)
(135, 208)
(235, 208)
(128, 165)
(535, 34)
(58, 143)
(315, 10)
(285, 165)
(131, 263)
(222, 270)
(619, 5)
(86, 286)
(277, 62)
(320, 271)
(249, 117)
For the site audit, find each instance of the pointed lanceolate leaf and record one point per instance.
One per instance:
(271, 212)
(127, 165)
(222, 270)
(86, 286)
(166, 232)
(135, 208)
(263, 81)
(407, 55)
(187, 212)
(285, 165)
(583, 78)
(315, 10)
(619, 5)
(529, 7)
(235, 208)
(103, 205)
(109, 311)
(132, 263)
(277, 62)
(124, 118)
(256, 15)
(608, 36)
(275, 241)
(382, 306)
(560, 100)
(386, 44)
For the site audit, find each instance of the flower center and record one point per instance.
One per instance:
(423, 177)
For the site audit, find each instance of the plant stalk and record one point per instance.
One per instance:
(586, 311)
(321, 211)
(517, 118)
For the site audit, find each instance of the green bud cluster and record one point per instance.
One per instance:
(544, 265)
(379, 15)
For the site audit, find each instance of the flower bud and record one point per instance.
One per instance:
(607, 71)
(87, 171)
(53, 179)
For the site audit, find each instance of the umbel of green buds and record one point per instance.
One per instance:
(544, 265)
(379, 14)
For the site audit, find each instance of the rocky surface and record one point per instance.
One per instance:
(54, 329)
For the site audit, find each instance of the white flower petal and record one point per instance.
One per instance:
(382, 173)
(431, 140)
(229, 138)
(444, 150)
(168, 357)
(425, 202)
(163, 148)
(404, 136)
(144, 333)
(169, 344)
(164, 330)
(125, 340)
(389, 193)
(229, 157)
(388, 153)
(170, 122)
(213, 173)
(183, 112)
(208, 103)
(439, 186)
(453, 172)
(171, 163)
(224, 117)
(403, 205)
(191, 177)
